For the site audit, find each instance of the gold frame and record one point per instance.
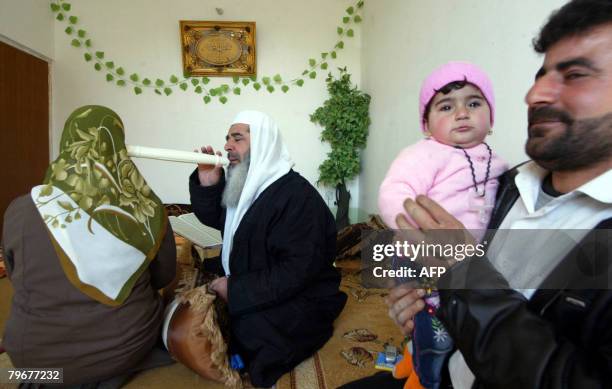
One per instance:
(192, 32)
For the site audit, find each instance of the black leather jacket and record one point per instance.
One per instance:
(560, 338)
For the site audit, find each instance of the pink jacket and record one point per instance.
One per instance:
(442, 173)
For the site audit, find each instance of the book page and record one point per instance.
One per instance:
(189, 227)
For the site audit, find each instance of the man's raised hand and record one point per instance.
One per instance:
(209, 174)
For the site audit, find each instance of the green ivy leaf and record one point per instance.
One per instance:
(236, 79)
(76, 43)
(225, 88)
(99, 54)
(266, 80)
(198, 89)
(357, 19)
(110, 64)
(305, 72)
(324, 65)
(360, 4)
(277, 79)
(134, 77)
(270, 88)
(146, 82)
(285, 88)
(68, 30)
(334, 55)
(340, 30)
(120, 71)
(223, 99)
(158, 92)
(253, 78)
(81, 33)
(207, 99)
(121, 82)
(137, 90)
(60, 16)
(205, 80)
(88, 43)
(159, 82)
(350, 33)
(312, 62)
(184, 86)
(168, 91)
(350, 10)
(313, 75)
(110, 77)
(195, 81)
(340, 45)
(54, 7)
(257, 86)
(245, 81)
(73, 19)
(346, 19)
(66, 7)
(87, 56)
(300, 82)
(97, 66)
(237, 91)
(173, 79)
(324, 55)
(213, 92)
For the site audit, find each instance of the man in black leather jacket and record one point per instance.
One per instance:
(560, 336)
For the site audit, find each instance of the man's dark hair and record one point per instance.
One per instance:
(574, 18)
(446, 89)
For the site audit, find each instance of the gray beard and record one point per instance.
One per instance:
(236, 178)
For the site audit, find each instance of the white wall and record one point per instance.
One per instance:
(143, 36)
(403, 40)
(27, 24)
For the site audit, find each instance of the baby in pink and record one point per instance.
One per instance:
(453, 165)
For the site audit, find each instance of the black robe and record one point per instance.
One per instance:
(283, 291)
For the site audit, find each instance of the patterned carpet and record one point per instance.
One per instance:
(360, 333)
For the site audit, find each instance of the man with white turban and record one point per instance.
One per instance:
(279, 242)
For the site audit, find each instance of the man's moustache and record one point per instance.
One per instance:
(548, 114)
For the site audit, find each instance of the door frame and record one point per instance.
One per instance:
(6, 40)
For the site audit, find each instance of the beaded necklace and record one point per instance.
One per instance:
(484, 187)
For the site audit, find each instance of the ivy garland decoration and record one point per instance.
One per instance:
(199, 85)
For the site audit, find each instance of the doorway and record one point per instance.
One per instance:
(24, 123)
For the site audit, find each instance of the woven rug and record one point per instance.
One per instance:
(360, 333)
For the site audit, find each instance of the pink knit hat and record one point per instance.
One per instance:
(455, 71)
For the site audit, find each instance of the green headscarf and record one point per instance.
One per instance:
(104, 186)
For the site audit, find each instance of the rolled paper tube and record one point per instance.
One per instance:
(176, 155)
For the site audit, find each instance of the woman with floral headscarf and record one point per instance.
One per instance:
(86, 252)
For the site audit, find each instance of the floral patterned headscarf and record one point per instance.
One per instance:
(105, 222)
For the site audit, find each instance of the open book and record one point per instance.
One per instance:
(189, 227)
